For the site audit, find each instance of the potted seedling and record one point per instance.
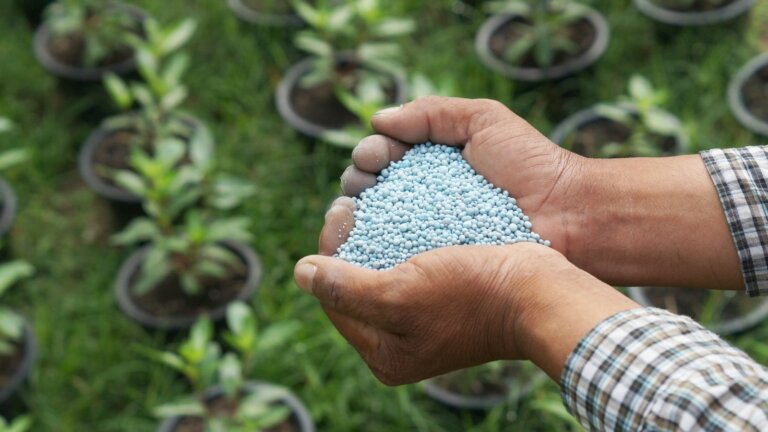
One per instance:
(633, 126)
(724, 312)
(693, 12)
(748, 95)
(486, 386)
(193, 260)
(8, 158)
(225, 399)
(539, 40)
(158, 118)
(19, 424)
(349, 42)
(277, 13)
(82, 40)
(18, 346)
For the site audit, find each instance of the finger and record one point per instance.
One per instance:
(376, 152)
(442, 120)
(339, 221)
(346, 288)
(363, 336)
(354, 181)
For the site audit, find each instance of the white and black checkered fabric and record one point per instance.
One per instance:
(649, 370)
(741, 178)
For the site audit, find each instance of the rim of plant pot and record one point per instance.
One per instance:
(272, 19)
(581, 118)
(681, 18)
(131, 265)
(301, 415)
(736, 101)
(21, 374)
(10, 206)
(724, 328)
(476, 403)
(291, 80)
(78, 73)
(85, 162)
(495, 22)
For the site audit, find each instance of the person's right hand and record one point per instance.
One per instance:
(497, 143)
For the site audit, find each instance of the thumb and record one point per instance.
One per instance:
(343, 287)
(443, 120)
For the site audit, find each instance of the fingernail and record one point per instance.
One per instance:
(305, 276)
(388, 111)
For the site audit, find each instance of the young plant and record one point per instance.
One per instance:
(360, 29)
(205, 365)
(99, 25)
(543, 35)
(161, 91)
(11, 323)
(19, 424)
(640, 111)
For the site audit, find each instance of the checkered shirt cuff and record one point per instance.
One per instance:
(648, 369)
(741, 178)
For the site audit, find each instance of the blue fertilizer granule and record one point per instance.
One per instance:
(429, 199)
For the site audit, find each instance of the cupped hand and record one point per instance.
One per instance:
(442, 310)
(497, 143)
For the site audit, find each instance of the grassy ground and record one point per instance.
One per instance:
(89, 376)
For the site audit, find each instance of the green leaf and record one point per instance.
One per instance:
(139, 230)
(190, 284)
(272, 417)
(307, 12)
(174, 98)
(118, 91)
(233, 228)
(276, 335)
(179, 35)
(219, 253)
(13, 157)
(5, 124)
(615, 113)
(661, 122)
(12, 272)
(172, 360)
(201, 149)
(131, 182)
(186, 407)
(175, 69)
(230, 375)
(11, 325)
(240, 317)
(394, 27)
(640, 88)
(195, 348)
(21, 424)
(229, 192)
(155, 268)
(170, 151)
(309, 42)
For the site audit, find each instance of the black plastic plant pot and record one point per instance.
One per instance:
(590, 116)
(530, 378)
(289, 91)
(8, 207)
(657, 12)
(251, 14)
(300, 418)
(494, 27)
(62, 69)
(736, 313)
(95, 144)
(131, 307)
(740, 96)
(21, 373)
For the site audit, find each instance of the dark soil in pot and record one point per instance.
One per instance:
(463, 390)
(591, 35)
(8, 207)
(587, 131)
(64, 56)
(700, 12)
(316, 110)
(108, 150)
(725, 312)
(755, 94)
(298, 421)
(167, 306)
(266, 13)
(15, 368)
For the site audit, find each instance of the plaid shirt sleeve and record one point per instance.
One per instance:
(650, 370)
(741, 178)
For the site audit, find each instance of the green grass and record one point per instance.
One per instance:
(89, 375)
